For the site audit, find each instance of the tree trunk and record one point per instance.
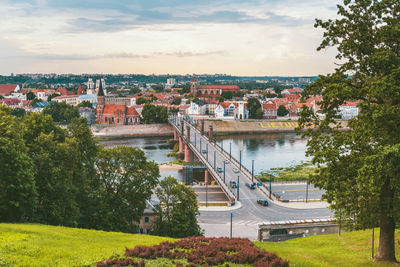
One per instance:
(387, 225)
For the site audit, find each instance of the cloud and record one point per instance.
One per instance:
(122, 55)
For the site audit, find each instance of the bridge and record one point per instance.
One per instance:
(195, 141)
(221, 165)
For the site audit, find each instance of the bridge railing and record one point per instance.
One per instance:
(210, 168)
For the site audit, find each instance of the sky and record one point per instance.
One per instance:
(236, 37)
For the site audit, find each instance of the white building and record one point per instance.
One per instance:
(348, 110)
(197, 108)
(241, 112)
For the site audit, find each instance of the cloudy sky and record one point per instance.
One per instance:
(238, 37)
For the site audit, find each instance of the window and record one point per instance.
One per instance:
(146, 219)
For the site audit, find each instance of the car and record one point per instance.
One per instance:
(226, 161)
(233, 184)
(204, 151)
(235, 170)
(220, 169)
(252, 186)
(263, 202)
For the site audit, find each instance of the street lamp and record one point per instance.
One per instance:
(240, 159)
(230, 151)
(307, 192)
(270, 186)
(206, 193)
(252, 170)
(195, 139)
(224, 171)
(237, 194)
(207, 151)
(215, 160)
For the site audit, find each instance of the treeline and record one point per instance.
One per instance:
(64, 177)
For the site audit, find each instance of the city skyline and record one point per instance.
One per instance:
(252, 38)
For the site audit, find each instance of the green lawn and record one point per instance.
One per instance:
(42, 245)
(350, 249)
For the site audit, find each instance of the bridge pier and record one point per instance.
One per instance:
(188, 154)
(206, 176)
(175, 135)
(181, 144)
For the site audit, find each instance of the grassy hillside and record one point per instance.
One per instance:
(42, 245)
(350, 249)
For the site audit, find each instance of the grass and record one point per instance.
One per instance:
(184, 163)
(42, 245)
(299, 172)
(350, 249)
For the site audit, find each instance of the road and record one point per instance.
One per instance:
(250, 213)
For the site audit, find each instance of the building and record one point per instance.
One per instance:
(87, 113)
(348, 110)
(197, 107)
(114, 114)
(211, 91)
(7, 89)
(42, 94)
(64, 91)
(241, 112)
(270, 110)
(291, 91)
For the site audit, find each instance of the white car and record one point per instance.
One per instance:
(235, 170)
(226, 161)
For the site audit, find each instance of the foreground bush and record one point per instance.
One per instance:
(202, 251)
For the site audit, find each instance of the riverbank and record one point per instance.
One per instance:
(166, 167)
(220, 127)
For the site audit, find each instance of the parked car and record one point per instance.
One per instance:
(233, 184)
(263, 202)
(226, 161)
(204, 151)
(235, 170)
(252, 186)
(220, 169)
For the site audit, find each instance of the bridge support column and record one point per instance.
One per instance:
(188, 154)
(181, 144)
(188, 133)
(175, 135)
(206, 176)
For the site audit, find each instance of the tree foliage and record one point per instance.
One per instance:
(282, 111)
(85, 104)
(254, 107)
(360, 167)
(61, 112)
(176, 213)
(18, 195)
(127, 180)
(154, 114)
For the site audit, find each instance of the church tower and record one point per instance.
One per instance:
(193, 87)
(101, 101)
(90, 86)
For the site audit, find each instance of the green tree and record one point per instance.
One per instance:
(359, 168)
(134, 91)
(50, 97)
(18, 112)
(227, 95)
(127, 180)
(176, 213)
(154, 114)
(142, 100)
(254, 107)
(176, 101)
(282, 111)
(85, 104)
(30, 96)
(18, 195)
(61, 112)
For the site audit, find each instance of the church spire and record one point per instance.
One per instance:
(100, 92)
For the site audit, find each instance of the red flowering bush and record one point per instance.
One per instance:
(210, 251)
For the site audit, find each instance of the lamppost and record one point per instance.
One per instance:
(237, 194)
(252, 170)
(207, 151)
(230, 151)
(206, 193)
(270, 186)
(224, 171)
(215, 160)
(200, 145)
(231, 224)
(195, 139)
(240, 159)
(307, 192)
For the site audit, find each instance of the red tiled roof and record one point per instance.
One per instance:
(81, 91)
(49, 91)
(10, 101)
(222, 87)
(225, 104)
(110, 109)
(131, 111)
(6, 89)
(269, 105)
(349, 104)
(64, 91)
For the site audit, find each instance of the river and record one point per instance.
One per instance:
(267, 150)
